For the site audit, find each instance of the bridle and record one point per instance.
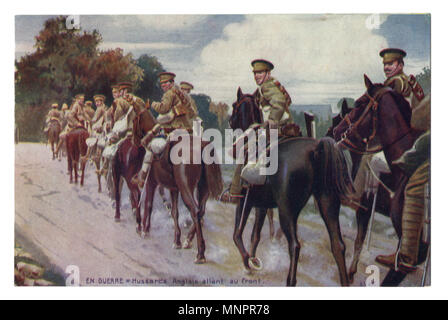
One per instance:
(353, 127)
(238, 104)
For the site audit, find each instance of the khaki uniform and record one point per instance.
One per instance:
(98, 118)
(89, 113)
(193, 114)
(54, 114)
(274, 102)
(406, 86)
(174, 100)
(416, 164)
(77, 111)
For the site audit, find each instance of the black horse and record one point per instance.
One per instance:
(306, 167)
(382, 115)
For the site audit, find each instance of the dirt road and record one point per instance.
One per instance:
(66, 225)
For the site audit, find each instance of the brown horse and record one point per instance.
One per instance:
(53, 137)
(125, 164)
(383, 115)
(196, 183)
(306, 167)
(76, 148)
(363, 205)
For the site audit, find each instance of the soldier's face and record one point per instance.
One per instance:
(98, 103)
(185, 90)
(392, 68)
(81, 99)
(260, 77)
(166, 86)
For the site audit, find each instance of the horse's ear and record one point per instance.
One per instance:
(239, 94)
(344, 108)
(367, 82)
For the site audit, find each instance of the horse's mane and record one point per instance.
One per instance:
(402, 104)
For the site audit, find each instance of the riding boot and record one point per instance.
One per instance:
(413, 216)
(140, 178)
(387, 261)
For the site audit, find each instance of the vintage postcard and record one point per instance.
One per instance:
(222, 150)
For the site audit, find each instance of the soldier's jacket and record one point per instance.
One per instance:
(99, 117)
(78, 112)
(120, 108)
(193, 111)
(89, 112)
(274, 101)
(401, 84)
(54, 115)
(176, 101)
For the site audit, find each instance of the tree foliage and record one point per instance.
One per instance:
(65, 62)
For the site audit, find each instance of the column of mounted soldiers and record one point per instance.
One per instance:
(108, 126)
(177, 110)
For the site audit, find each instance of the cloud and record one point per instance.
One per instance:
(137, 46)
(318, 58)
(170, 22)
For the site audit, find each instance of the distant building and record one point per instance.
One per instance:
(322, 111)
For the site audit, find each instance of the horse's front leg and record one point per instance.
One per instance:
(240, 223)
(175, 214)
(260, 217)
(149, 199)
(362, 219)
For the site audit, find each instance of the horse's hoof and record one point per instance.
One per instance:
(117, 220)
(177, 246)
(187, 244)
(200, 261)
(144, 235)
(255, 264)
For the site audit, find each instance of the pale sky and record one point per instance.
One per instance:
(318, 58)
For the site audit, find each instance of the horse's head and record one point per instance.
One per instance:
(336, 120)
(143, 122)
(379, 112)
(245, 112)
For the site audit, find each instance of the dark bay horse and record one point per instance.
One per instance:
(363, 207)
(306, 167)
(125, 164)
(76, 148)
(196, 183)
(53, 137)
(383, 115)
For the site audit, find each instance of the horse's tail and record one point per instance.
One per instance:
(332, 171)
(215, 183)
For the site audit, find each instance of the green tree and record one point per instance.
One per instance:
(150, 86)
(209, 120)
(65, 62)
(424, 79)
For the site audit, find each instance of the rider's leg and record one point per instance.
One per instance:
(141, 176)
(413, 216)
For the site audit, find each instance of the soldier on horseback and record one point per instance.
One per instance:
(122, 114)
(53, 115)
(175, 113)
(274, 101)
(414, 162)
(186, 88)
(97, 123)
(396, 78)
